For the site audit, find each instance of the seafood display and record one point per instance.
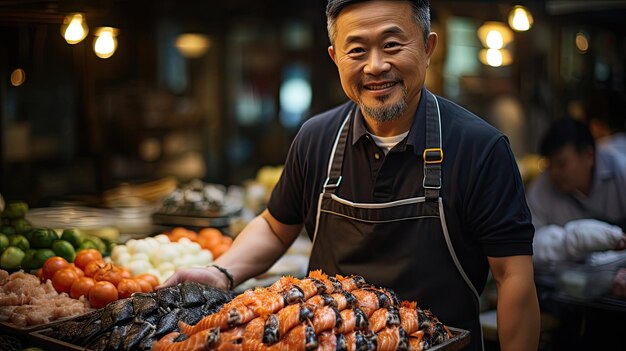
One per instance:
(135, 323)
(318, 312)
(26, 302)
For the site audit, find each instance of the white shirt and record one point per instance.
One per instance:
(387, 143)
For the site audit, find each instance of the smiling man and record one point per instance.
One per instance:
(398, 185)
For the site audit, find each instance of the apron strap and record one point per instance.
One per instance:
(336, 157)
(433, 153)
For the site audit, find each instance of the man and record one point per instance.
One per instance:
(371, 185)
(579, 203)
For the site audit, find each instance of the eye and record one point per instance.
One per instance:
(356, 51)
(392, 45)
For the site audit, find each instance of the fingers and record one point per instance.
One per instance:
(171, 281)
(621, 244)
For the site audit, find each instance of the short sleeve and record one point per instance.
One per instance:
(496, 209)
(286, 200)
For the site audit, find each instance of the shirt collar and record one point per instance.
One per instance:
(416, 135)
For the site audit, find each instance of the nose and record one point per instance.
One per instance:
(376, 63)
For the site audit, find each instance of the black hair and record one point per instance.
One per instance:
(566, 131)
(421, 13)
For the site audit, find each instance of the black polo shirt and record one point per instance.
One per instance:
(483, 194)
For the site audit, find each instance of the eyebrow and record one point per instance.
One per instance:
(391, 30)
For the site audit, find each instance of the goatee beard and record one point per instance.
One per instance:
(385, 113)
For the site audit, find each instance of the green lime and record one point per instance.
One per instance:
(100, 245)
(7, 229)
(15, 209)
(87, 244)
(11, 258)
(4, 242)
(28, 259)
(40, 257)
(42, 238)
(19, 241)
(64, 249)
(21, 225)
(73, 236)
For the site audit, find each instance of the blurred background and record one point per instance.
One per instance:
(95, 94)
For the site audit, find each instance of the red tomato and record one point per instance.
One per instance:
(150, 278)
(78, 270)
(85, 256)
(144, 284)
(127, 287)
(92, 267)
(52, 265)
(63, 279)
(102, 294)
(81, 287)
(108, 273)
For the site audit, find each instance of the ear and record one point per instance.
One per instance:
(431, 44)
(331, 53)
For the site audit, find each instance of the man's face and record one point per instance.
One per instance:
(381, 57)
(570, 170)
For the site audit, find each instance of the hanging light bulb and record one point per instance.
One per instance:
(74, 28)
(494, 40)
(495, 57)
(105, 43)
(494, 35)
(520, 19)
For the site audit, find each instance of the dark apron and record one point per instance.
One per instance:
(403, 245)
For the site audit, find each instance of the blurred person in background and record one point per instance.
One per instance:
(578, 204)
(606, 115)
(370, 184)
(578, 207)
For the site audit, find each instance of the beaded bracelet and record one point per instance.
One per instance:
(229, 276)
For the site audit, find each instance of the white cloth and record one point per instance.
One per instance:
(575, 241)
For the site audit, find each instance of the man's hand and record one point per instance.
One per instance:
(210, 276)
(621, 244)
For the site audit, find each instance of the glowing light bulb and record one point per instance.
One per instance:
(495, 57)
(74, 28)
(494, 39)
(105, 43)
(520, 19)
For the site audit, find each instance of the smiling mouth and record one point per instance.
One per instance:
(380, 86)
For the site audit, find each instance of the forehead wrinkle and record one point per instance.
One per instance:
(392, 30)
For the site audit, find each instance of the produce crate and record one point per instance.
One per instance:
(10, 328)
(459, 340)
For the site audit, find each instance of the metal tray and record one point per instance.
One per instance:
(191, 221)
(459, 340)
